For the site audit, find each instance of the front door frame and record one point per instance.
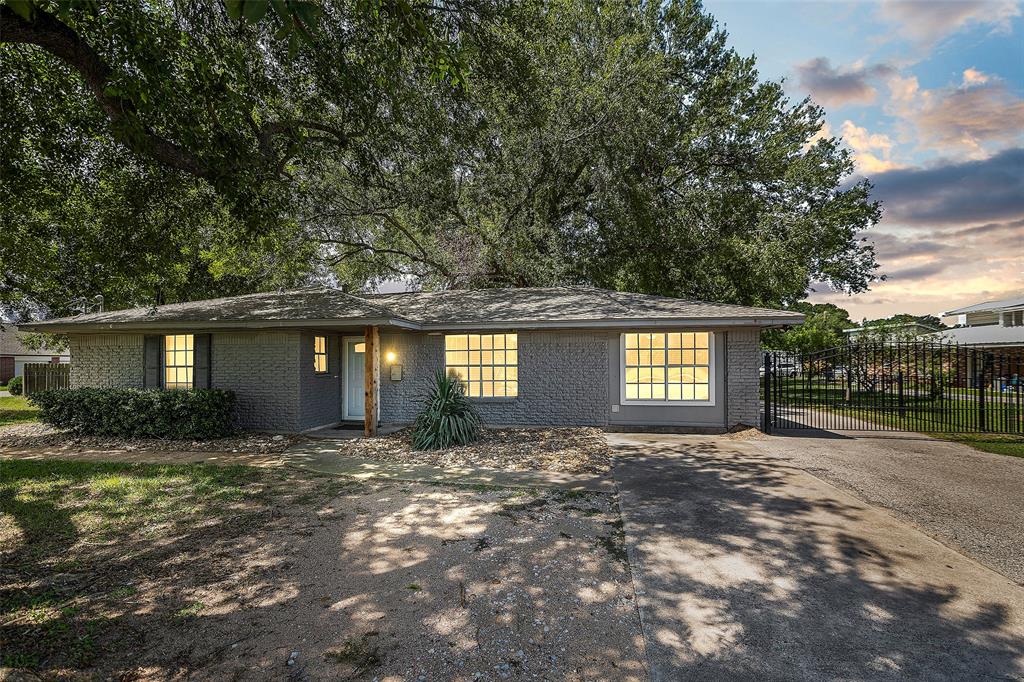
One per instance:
(345, 375)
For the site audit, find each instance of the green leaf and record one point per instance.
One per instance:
(23, 8)
(234, 9)
(253, 10)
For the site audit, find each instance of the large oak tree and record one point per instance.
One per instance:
(617, 143)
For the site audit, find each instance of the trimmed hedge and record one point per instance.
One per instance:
(14, 386)
(133, 413)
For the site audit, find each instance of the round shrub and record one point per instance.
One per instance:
(447, 419)
(14, 385)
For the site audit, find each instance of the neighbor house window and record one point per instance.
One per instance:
(667, 367)
(178, 361)
(320, 354)
(488, 364)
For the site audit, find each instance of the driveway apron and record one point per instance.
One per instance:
(748, 567)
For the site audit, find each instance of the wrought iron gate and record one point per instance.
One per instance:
(895, 386)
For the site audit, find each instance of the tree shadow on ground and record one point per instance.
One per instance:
(362, 579)
(756, 571)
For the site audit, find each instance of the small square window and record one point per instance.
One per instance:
(320, 354)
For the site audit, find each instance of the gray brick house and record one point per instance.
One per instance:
(313, 357)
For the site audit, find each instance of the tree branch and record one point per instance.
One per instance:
(57, 38)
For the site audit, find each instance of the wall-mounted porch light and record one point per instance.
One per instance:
(390, 357)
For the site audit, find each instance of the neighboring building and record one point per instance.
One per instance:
(993, 324)
(14, 353)
(997, 328)
(312, 357)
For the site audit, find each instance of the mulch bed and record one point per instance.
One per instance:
(35, 435)
(571, 450)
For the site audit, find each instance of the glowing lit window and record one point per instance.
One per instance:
(320, 354)
(667, 367)
(178, 361)
(487, 364)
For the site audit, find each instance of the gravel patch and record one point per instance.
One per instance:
(36, 435)
(570, 450)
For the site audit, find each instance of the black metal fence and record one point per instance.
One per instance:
(896, 386)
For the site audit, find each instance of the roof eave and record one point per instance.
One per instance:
(71, 327)
(625, 323)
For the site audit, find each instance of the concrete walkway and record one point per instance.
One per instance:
(322, 456)
(748, 567)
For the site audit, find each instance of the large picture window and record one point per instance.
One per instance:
(488, 364)
(667, 367)
(179, 361)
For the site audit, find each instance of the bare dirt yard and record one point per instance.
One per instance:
(150, 572)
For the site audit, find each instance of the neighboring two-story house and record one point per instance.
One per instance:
(994, 324)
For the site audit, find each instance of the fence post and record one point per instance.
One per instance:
(766, 420)
(899, 394)
(981, 391)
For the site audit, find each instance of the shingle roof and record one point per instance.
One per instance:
(555, 306)
(12, 343)
(293, 305)
(986, 335)
(558, 304)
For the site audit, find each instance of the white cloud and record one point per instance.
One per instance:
(976, 117)
(927, 22)
(871, 151)
(974, 77)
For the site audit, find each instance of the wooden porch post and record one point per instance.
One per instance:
(371, 380)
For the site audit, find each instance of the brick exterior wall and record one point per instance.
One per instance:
(743, 361)
(563, 379)
(262, 368)
(107, 360)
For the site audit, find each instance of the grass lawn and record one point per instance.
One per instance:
(998, 443)
(16, 409)
(72, 534)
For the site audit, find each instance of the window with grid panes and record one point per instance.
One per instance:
(178, 361)
(667, 366)
(487, 364)
(320, 354)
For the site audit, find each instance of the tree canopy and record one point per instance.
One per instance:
(822, 328)
(164, 151)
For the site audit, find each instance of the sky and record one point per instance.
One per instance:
(929, 98)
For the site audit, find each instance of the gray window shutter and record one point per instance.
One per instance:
(153, 349)
(201, 358)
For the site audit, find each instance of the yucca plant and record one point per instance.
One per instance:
(447, 419)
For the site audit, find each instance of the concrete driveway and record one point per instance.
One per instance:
(748, 567)
(970, 500)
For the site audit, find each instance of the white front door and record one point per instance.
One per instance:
(354, 373)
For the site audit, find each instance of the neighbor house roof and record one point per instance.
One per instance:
(1004, 304)
(12, 342)
(452, 309)
(987, 335)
